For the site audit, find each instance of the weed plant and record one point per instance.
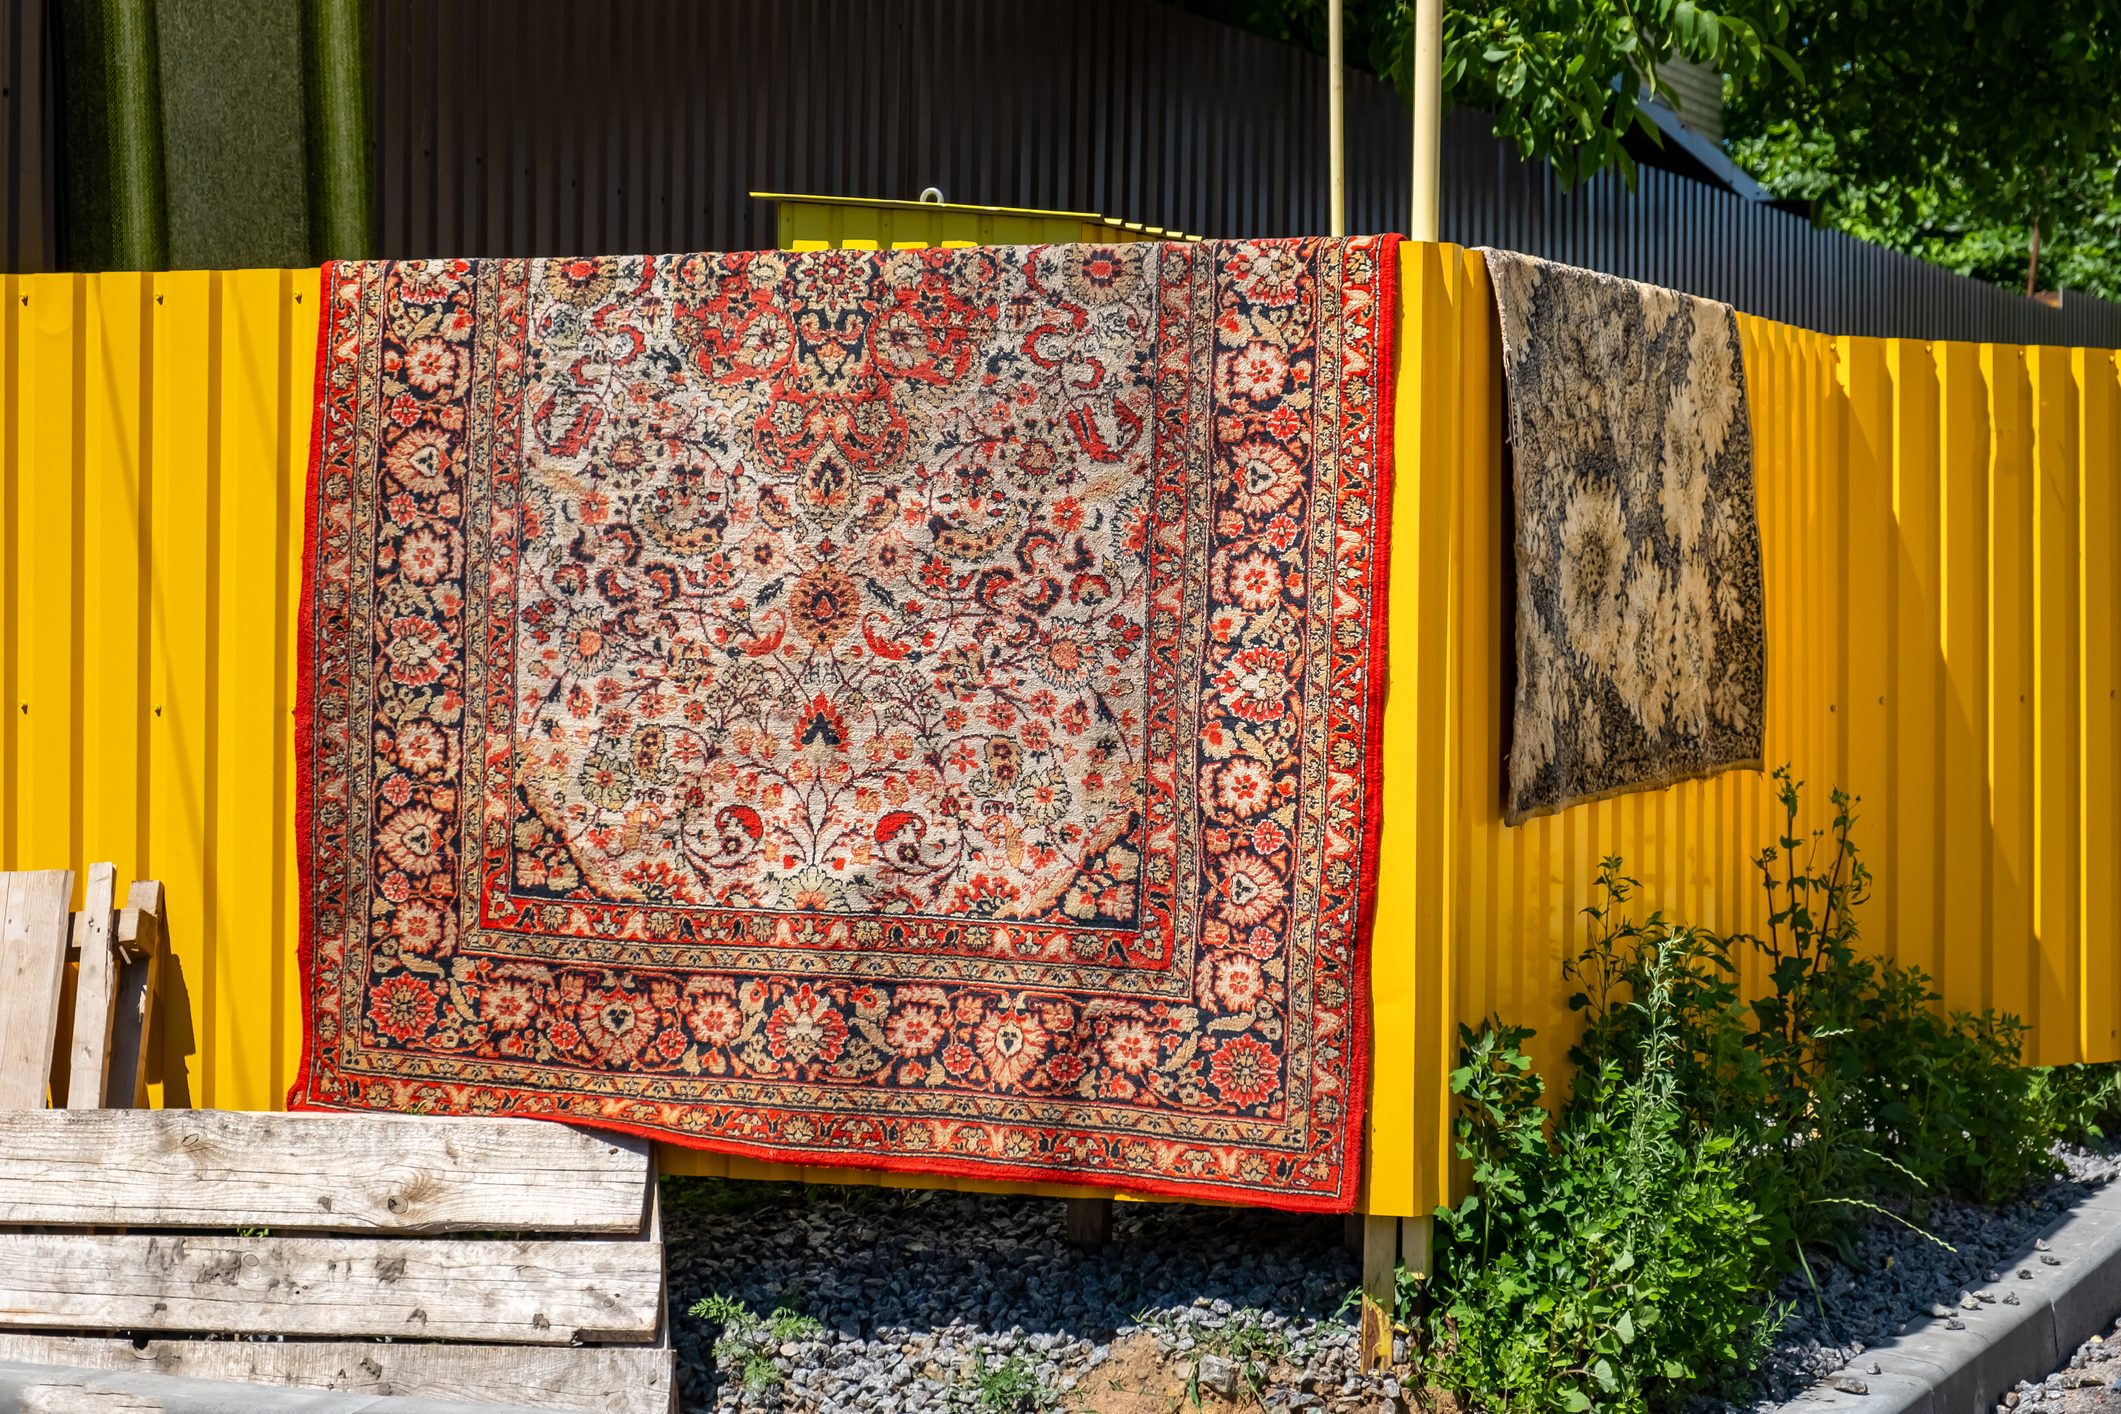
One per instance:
(748, 1342)
(1737, 1102)
(1007, 1386)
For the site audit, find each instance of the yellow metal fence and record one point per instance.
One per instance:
(1940, 528)
(1940, 525)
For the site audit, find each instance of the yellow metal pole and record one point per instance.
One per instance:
(1428, 116)
(1337, 118)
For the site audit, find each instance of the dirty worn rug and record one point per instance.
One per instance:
(913, 709)
(1641, 647)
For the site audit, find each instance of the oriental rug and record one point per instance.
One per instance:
(1641, 641)
(911, 709)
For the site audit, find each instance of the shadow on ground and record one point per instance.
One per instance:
(924, 1301)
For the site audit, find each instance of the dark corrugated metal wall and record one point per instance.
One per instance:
(507, 128)
(29, 206)
(641, 124)
(543, 126)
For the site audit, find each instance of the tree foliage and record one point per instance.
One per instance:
(1952, 129)
(1566, 80)
(1934, 216)
(1947, 129)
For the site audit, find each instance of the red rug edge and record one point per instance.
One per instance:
(306, 702)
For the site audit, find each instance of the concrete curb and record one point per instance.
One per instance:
(1935, 1370)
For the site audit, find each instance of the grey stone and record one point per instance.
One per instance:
(1218, 1376)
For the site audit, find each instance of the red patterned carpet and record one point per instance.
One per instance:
(905, 709)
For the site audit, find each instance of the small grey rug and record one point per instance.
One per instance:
(1641, 629)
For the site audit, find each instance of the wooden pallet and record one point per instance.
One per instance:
(475, 1261)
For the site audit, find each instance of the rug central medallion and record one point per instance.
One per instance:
(818, 612)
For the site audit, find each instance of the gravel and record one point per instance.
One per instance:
(1898, 1274)
(935, 1301)
(2090, 1380)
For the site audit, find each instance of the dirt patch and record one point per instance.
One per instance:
(1143, 1376)
(1138, 1377)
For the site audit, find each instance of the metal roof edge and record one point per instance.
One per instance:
(1092, 218)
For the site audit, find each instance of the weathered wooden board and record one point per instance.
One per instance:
(142, 941)
(1089, 1222)
(598, 1379)
(95, 992)
(324, 1172)
(1380, 1287)
(34, 922)
(46, 1389)
(543, 1293)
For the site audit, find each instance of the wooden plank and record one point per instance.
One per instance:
(95, 992)
(33, 930)
(320, 1172)
(54, 1389)
(1380, 1289)
(537, 1293)
(140, 944)
(608, 1379)
(1089, 1222)
(662, 1344)
(1417, 1246)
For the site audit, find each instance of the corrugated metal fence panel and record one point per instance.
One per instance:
(1940, 523)
(642, 125)
(1940, 526)
(154, 445)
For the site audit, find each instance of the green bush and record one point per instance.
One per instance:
(1708, 1137)
(1613, 1265)
(2085, 1101)
(1844, 1081)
